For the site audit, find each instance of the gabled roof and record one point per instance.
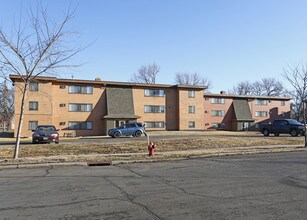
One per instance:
(120, 103)
(242, 111)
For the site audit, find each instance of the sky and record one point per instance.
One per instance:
(225, 41)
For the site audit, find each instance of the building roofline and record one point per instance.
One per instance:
(110, 83)
(247, 96)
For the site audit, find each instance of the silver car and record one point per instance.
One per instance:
(135, 129)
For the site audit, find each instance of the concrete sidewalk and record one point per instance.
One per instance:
(143, 157)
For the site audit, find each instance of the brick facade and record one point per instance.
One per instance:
(87, 111)
(262, 109)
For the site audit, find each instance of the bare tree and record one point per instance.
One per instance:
(272, 87)
(146, 74)
(264, 87)
(35, 46)
(296, 106)
(297, 77)
(242, 88)
(257, 88)
(6, 104)
(184, 78)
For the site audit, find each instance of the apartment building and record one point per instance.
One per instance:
(91, 107)
(237, 112)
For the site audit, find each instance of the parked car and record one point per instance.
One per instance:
(135, 129)
(45, 134)
(283, 126)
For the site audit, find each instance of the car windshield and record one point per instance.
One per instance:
(294, 122)
(46, 128)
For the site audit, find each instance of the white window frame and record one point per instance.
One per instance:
(262, 102)
(154, 124)
(77, 89)
(261, 114)
(154, 92)
(33, 105)
(192, 109)
(217, 100)
(154, 109)
(192, 93)
(80, 125)
(32, 125)
(192, 124)
(217, 113)
(33, 86)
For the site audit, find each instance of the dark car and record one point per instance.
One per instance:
(45, 134)
(135, 129)
(283, 126)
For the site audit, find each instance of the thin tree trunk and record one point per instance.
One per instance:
(304, 117)
(20, 121)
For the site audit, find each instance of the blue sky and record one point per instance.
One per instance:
(226, 41)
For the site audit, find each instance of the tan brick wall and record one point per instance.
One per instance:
(62, 114)
(273, 106)
(140, 100)
(184, 116)
(49, 98)
(44, 114)
(227, 107)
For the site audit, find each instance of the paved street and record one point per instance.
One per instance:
(267, 186)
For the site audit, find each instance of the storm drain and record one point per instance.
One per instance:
(99, 163)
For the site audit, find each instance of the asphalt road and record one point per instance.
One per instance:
(267, 186)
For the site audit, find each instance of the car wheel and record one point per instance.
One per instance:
(293, 133)
(116, 135)
(57, 142)
(138, 134)
(265, 132)
(276, 134)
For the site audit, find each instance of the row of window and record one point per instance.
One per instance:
(161, 93)
(33, 106)
(221, 113)
(257, 101)
(71, 89)
(160, 109)
(77, 89)
(75, 107)
(72, 125)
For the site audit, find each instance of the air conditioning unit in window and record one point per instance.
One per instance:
(62, 123)
(206, 111)
(62, 105)
(62, 86)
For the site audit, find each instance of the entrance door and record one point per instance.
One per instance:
(245, 126)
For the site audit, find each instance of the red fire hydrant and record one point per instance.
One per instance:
(151, 149)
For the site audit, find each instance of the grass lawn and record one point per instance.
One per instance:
(198, 141)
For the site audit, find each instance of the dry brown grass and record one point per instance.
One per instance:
(204, 140)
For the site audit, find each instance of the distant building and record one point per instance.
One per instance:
(6, 125)
(238, 112)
